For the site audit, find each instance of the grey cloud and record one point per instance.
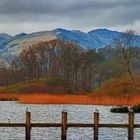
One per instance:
(56, 6)
(70, 13)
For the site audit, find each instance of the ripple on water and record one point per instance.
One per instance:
(52, 113)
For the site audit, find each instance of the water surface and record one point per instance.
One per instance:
(52, 114)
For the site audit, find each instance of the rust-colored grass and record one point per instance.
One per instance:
(5, 97)
(117, 91)
(72, 99)
(78, 99)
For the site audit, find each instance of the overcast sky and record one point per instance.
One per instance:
(28, 16)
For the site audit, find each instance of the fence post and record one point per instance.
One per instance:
(131, 126)
(28, 126)
(96, 125)
(64, 126)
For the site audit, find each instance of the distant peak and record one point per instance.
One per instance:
(59, 29)
(77, 31)
(5, 34)
(20, 35)
(102, 31)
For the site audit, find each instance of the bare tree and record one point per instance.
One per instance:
(126, 51)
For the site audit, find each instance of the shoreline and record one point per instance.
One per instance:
(39, 98)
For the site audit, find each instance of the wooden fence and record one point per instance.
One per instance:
(64, 125)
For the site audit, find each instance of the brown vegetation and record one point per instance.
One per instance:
(78, 99)
(119, 87)
(117, 91)
(107, 75)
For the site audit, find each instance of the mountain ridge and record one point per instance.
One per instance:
(11, 46)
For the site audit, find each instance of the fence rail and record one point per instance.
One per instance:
(64, 125)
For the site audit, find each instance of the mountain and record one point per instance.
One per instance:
(19, 36)
(3, 39)
(12, 46)
(104, 36)
(84, 39)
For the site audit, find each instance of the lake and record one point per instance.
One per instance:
(52, 113)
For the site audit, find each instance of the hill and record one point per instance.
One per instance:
(119, 87)
(53, 86)
(3, 39)
(118, 91)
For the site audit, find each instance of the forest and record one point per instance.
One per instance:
(77, 69)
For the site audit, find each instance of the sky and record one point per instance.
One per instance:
(28, 16)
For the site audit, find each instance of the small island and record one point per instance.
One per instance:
(126, 109)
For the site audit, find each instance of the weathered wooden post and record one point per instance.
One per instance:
(96, 125)
(64, 126)
(131, 126)
(28, 126)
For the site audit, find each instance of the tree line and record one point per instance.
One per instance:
(75, 66)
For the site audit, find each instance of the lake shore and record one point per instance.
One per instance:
(40, 98)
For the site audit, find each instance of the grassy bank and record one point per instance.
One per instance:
(117, 91)
(39, 98)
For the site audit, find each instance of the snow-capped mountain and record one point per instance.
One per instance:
(12, 46)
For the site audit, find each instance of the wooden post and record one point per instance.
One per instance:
(28, 126)
(131, 126)
(64, 126)
(96, 125)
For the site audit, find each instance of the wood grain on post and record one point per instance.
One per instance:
(28, 126)
(131, 126)
(64, 126)
(96, 125)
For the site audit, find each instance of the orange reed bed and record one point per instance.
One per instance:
(71, 99)
(78, 99)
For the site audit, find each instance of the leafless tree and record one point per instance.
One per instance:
(126, 51)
